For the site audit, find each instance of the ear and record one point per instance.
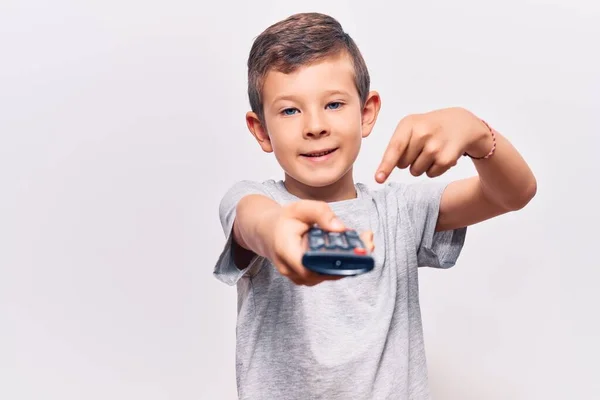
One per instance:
(259, 131)
(370, 112)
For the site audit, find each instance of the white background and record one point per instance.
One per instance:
(122, 125)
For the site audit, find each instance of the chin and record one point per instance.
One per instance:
(317, 180)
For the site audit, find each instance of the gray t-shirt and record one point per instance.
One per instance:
(355, 338)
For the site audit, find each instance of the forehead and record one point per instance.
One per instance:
(328, 74)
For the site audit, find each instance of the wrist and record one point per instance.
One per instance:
(483, 143)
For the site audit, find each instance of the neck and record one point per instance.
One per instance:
(343, 189)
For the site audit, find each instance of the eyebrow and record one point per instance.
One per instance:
(336, 91)
(327, 93)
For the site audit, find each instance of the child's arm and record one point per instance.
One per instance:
(263, 227)
(433, 142)
(505, 183)
(247, 243)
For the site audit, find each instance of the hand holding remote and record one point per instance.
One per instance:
(285, 237)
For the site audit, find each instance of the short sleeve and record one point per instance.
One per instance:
(434, 249)
(225, 268)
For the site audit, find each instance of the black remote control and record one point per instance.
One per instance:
(336, 253)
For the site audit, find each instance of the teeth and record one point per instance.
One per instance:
(319, 154)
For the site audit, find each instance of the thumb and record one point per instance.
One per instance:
(317, 212)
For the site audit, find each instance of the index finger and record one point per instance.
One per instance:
(394, 150)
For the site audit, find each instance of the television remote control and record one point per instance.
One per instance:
(336, 253)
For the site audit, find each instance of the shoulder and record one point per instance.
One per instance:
(239, 189)
(245, 187)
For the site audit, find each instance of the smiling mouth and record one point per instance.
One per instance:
(320, 153)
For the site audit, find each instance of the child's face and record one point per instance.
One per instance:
(315, 109)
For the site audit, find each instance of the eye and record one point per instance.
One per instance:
(289, 111)
(334, 105)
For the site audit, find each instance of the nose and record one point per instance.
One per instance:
(315, 126)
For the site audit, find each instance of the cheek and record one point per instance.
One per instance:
(350, 127)
(349, 120)
(282, 139)
(352, 136)
(281, 143)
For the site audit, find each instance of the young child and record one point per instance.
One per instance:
(301, 335)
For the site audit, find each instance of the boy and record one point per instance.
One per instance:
(301, 335)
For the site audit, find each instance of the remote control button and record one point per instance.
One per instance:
(351, 234)
(316, 232)
(316, 242)
(360, 251)
(329, 244)
(336, 240)
(355, 242)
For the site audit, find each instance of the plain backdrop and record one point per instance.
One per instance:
(122, 125)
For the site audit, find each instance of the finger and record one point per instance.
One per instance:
(284, 269)
(436, 170)
(443, 163)
(289, 273)
(423, 162)
(322, 278)
(310, 278)
(306, 276)
(414, 148)
(394, 150)
(303, 213)
(316, 212)
(292, 259)
(367, 238)
(287, 267)
(296, 280)
(332, 277)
